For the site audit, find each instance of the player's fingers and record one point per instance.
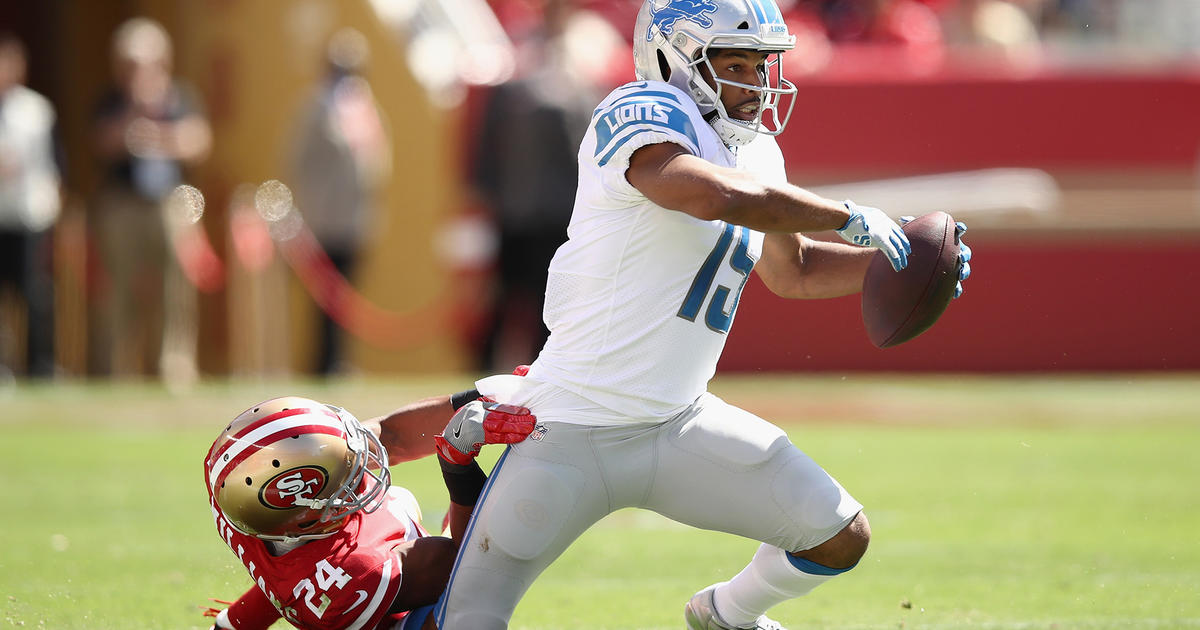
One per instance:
(958, 290)
(899, 252)
(495, 419)
(964, 252)
(960, 228)
(511, 436)
(509, 410)
(509, 424)
(964, 272)
(515, 424)
(906, 218)
(893, 257)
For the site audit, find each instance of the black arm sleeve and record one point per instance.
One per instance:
(462, 398)
(464, 483)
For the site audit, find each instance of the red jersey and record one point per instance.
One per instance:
(344, 582)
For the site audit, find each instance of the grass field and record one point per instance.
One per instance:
(996, 503)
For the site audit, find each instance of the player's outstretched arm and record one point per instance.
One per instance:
(407, 433)
(798, 267)
(675, 179)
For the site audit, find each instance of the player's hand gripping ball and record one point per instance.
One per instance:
(897, 306)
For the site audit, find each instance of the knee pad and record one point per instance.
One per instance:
(813, 500)
(528, 509)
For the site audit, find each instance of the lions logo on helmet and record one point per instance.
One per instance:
(672, 38)
(294, 469)
(692, 10)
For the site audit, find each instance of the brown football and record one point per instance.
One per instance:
(898, 306)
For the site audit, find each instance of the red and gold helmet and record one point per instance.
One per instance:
(293, 469)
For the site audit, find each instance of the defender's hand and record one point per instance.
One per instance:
(482, 422)
(870, 227)
(220, 615)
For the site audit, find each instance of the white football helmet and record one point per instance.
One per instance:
(673, 37)
(293, 469)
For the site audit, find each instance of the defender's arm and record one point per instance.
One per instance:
(407, 433)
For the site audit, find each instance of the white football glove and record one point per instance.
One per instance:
(870, 227)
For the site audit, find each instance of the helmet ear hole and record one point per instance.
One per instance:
(744, 26)
(664, 68)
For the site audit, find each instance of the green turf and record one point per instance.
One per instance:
(996, 503)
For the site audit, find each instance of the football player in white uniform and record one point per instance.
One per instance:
(682, 193)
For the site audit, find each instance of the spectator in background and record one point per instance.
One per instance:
(147, 128)
(342, 156)
(29, 207)
(994, 24)
(1084, 20)
(525, 168)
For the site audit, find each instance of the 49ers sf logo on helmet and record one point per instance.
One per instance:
(304, 482)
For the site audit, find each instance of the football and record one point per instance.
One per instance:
(899, 306)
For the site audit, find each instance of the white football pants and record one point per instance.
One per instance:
(713, 466)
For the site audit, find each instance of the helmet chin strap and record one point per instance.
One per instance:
(731, 133)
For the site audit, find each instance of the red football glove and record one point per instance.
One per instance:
(252, 611)
(482, 422)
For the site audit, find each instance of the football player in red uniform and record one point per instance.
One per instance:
(301, 492)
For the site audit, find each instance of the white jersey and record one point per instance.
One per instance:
(640, 299)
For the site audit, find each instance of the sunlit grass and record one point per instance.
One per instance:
(996, 503)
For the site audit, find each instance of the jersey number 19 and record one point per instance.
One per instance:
(717, 317)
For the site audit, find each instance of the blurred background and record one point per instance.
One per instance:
(260, 189)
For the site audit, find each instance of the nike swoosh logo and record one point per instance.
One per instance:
(362, 596)
(457, 430)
